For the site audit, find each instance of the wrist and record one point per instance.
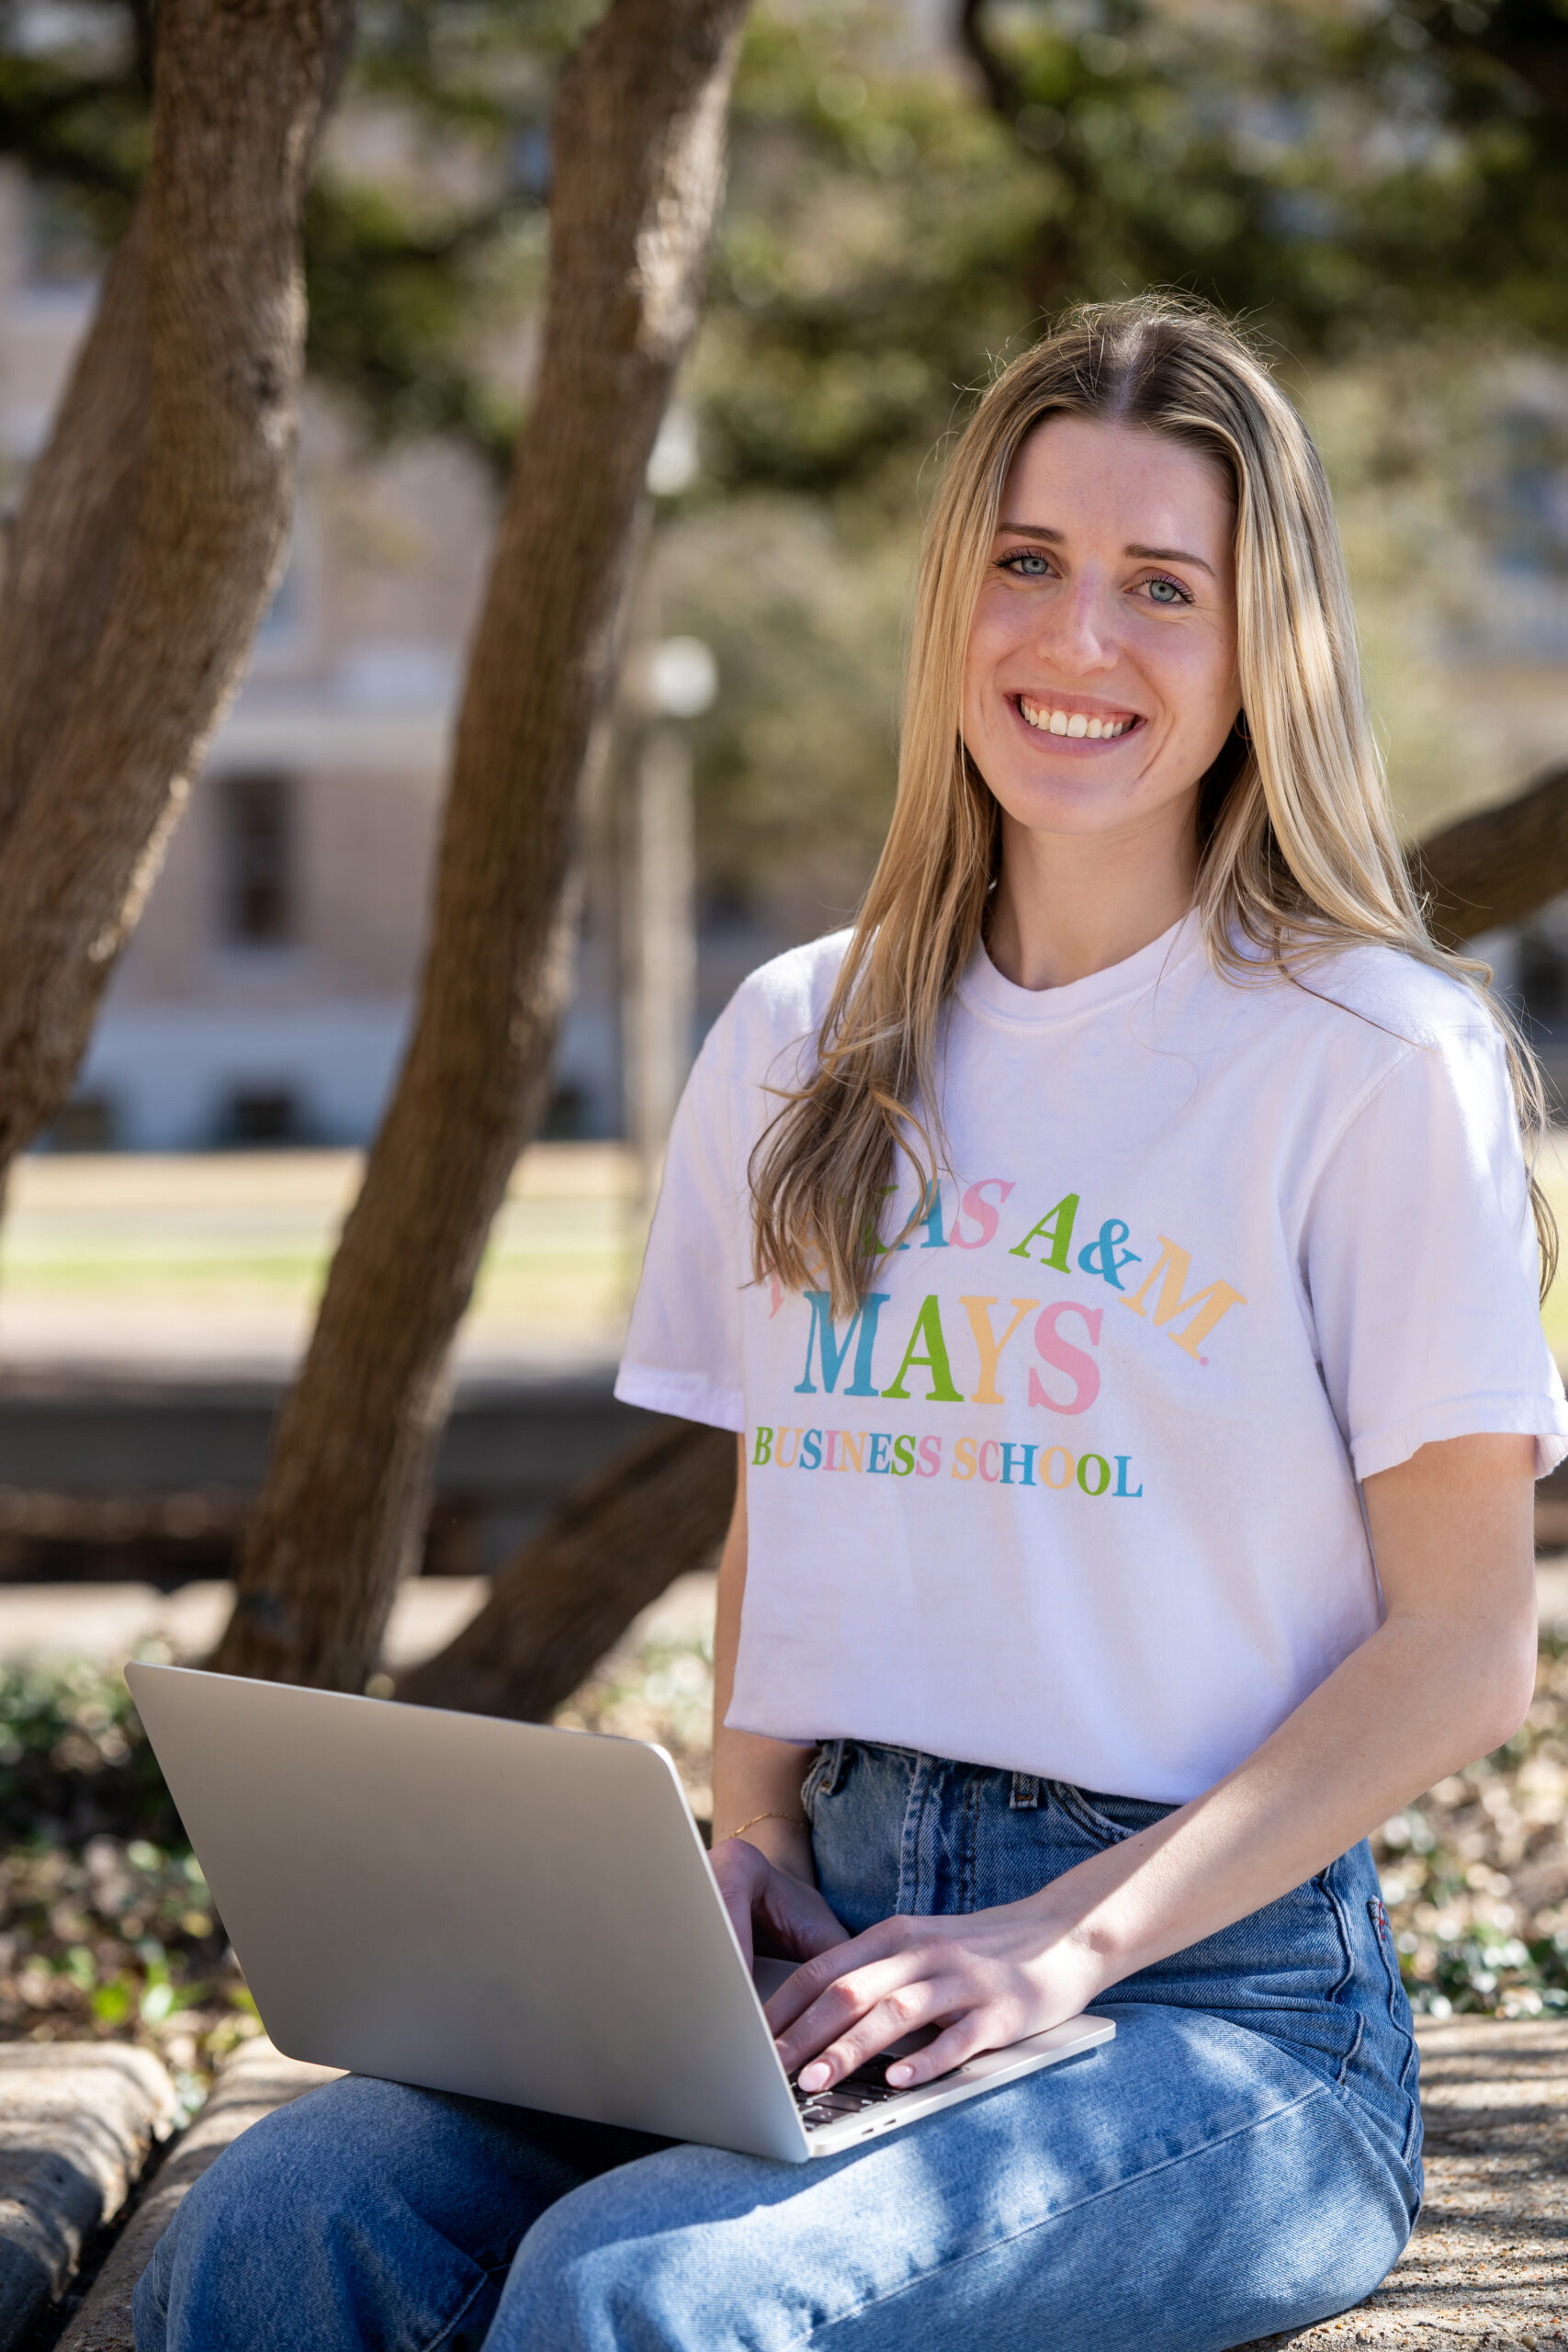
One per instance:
(782, 1840)
(1093, 1942)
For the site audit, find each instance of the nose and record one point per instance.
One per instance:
(1077, 629)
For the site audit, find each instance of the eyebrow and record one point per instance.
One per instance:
(1145, 555)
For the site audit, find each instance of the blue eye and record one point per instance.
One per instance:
(1016, 562)
(1168, 592)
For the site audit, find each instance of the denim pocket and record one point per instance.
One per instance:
(1094, 1814)
(824, 1776)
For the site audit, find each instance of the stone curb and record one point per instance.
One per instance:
(250, 2083)
(77, 2121)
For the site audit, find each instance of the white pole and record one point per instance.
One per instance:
(662, 1013)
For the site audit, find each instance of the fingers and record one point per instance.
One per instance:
(832, 1965)
(963, 1979)
(737, 1872)
(755, 1891)
(904, 2013)
(800, 1918)
(963, 2039)
(861, 2014)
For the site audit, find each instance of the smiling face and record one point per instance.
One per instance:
(1101, 678)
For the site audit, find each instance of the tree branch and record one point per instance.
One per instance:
(1002, 92)
(1527, 39)
(638, 147)
(608, 1551)
(1499, 866)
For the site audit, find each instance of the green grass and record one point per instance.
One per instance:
(553, 1266)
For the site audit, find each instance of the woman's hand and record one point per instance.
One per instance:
(984, 1979)
(793, 1917)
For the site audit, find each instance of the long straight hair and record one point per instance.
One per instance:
(1298, 854)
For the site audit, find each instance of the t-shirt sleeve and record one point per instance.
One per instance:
(1421, 1266)
(683, 1350)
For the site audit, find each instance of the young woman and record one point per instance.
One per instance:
(1115, 1255)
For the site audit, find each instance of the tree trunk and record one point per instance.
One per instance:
(154, 523)
(638, 150)
(658, 1509)
(1499, 866)
(609, 1549)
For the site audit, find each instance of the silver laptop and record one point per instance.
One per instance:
(501, 1909)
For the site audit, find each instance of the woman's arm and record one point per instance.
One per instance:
(1447, 1676)
(761, 1846)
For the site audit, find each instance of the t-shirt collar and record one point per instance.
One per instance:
(984, 991)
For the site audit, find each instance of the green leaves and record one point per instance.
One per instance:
(1474, 1875)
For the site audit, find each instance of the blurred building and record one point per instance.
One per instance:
(265, 996)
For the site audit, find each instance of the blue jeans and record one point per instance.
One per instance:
(1244, 2157)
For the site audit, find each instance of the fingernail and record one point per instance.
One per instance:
(899, 2074)
(814, 2078)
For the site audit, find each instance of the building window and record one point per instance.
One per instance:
(1531, 511)
(260, 1116)
(63, 245)
(259, 861)
(87, 1124)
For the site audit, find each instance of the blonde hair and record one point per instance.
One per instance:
(1298, 854)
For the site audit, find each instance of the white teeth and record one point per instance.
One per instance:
(1074, 723)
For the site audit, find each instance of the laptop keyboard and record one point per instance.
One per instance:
(867, 2086)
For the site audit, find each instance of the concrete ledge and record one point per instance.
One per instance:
(1488, 2265)
(250, 2085)
(77, 2121)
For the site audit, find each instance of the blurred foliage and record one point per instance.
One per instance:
(1475, 1874)
(1409, 433)
(74, 1761)
(1335, 176)
(661, 1690)
(803, 608)
(1381, 186)
(424, 226)
(898, 211)
(1379, 193)
(106, 1927)
(108, 1930)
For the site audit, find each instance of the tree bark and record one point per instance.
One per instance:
(1499, 866)
(638, 150)
(608, 1551)
(155, 522)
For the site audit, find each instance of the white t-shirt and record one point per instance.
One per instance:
(1076, 1492)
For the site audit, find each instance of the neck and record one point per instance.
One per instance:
(1068, 905)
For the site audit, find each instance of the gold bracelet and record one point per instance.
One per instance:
(791, 1820)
